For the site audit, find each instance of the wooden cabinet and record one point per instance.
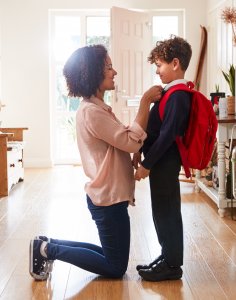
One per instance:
(11, 158)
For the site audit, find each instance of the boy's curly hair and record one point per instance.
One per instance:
(167, 50)
(84, 70)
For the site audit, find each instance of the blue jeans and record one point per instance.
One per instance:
(109, 260)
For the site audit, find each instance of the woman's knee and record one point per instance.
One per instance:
(118, 271)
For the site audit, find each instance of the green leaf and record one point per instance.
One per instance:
(230, 78)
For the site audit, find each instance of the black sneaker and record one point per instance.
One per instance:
(161, 271)
(39, 266)
(145, 267)
(43, 238)
(48, 240)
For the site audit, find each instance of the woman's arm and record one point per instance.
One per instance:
(103, 125)
(151, 95)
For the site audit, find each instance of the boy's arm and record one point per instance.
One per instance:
(174, 123)
(154, 92)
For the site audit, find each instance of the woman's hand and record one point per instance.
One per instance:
(153, 94)
(136, 160)
(141, 173)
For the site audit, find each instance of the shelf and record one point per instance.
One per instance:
(210, 191)
(224, 134)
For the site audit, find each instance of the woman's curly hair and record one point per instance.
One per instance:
(167, 50)
(84, 70)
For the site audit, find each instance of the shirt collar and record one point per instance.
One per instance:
(174, 82)
(98, 102)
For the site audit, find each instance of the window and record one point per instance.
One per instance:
(164, 24)
(69, 31)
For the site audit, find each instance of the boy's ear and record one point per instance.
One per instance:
(175, 63)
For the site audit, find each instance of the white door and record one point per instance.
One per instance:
(131, 38)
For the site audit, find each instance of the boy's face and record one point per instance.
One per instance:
(167, 71)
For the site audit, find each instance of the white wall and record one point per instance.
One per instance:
(25, 61)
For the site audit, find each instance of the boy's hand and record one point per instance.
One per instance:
(136, 160)
(141, 173)
(153, 94)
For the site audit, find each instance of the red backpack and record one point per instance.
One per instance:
(196, 146)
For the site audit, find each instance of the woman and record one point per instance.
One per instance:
(104, 144)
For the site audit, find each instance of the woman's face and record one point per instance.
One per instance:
(109, 74)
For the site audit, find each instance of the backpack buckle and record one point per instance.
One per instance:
(190, 85)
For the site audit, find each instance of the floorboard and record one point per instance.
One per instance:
(52, 202)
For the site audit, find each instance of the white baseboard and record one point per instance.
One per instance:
(37, 163)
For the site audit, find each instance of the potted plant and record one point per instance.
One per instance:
(230, 79)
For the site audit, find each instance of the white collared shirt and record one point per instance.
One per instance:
(174, 82)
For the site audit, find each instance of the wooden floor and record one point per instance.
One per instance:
(52, 202)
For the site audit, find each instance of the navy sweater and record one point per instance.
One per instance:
(161, 135)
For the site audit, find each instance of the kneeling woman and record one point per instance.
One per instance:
(105, 145)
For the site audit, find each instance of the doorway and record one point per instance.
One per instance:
(73, 29)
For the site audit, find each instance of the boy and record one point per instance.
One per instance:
(162, 160)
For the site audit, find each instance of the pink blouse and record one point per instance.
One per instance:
(105, 145)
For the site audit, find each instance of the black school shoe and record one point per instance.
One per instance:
(161, 271)
(144, 267)
(39, 266)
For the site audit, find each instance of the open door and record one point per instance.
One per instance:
(131, 44)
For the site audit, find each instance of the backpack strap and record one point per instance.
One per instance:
(179, 141)
(183, 155)
(178, 87)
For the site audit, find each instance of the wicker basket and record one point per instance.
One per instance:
(231, 105)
